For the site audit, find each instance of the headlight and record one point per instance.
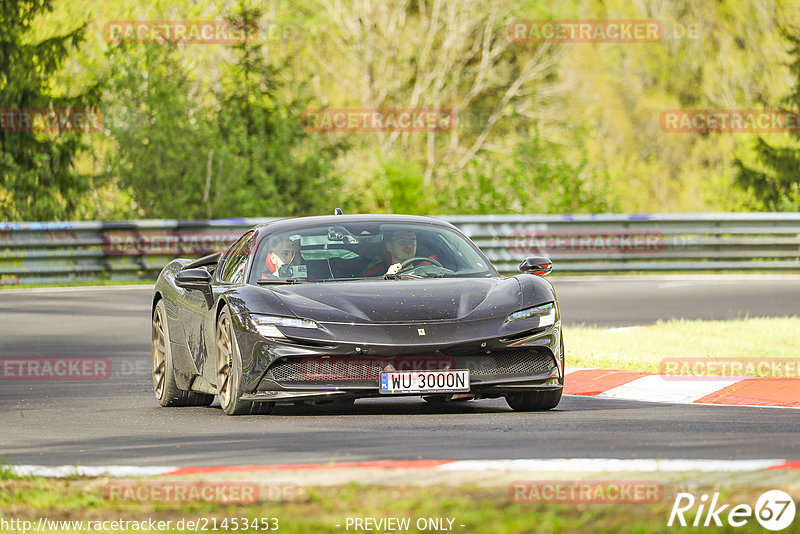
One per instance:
(267, 325)
(546, 314)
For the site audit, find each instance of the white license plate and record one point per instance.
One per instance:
(424, 381)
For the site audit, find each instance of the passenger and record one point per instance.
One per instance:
(283, 252)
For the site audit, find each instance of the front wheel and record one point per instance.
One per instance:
(229, 372)
(534, 401)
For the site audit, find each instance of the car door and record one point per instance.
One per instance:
(232, 272)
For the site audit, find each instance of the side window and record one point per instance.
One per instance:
(234, 270)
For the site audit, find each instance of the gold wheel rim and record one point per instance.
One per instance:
(159, 353)
(224, 357)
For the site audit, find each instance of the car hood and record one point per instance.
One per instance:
(401, 301)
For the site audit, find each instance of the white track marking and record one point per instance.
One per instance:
(560, 465)
(655, 388)
(60, 471)
(597, 465)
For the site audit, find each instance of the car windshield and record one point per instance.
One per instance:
(363, 250)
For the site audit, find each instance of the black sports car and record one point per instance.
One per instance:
(334, 308)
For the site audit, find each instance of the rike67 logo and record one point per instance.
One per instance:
(774, 510)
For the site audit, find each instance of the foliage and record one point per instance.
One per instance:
(774, 176)
(276, 166)
(541, 180)
(401, 189)
(159, 132)
(195, 131)
(245, 155)
(37, 178)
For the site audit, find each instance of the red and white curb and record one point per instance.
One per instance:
(554, 465)
(719, 390)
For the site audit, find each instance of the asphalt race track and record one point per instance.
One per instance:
(116, 421)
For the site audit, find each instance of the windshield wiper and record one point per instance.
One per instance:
(268, 281)
(404, 276)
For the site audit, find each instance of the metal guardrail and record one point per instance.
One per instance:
(74, 251)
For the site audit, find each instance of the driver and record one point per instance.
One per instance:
(283, 251)
(398, 246)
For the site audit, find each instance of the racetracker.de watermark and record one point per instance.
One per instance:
(181, 492)
(50, 120)
(586, 31)
(722, 368)
(729, 121)
(55, 368)
(345, 368)
(584, 242)
(199, 524)
(377, 120)
(180, 32)
(162, 242)
(587, 491)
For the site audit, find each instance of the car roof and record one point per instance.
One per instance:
(305, 222)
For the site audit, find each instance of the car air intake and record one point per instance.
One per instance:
(496, 363)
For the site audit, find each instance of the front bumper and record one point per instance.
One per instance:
(531, 360)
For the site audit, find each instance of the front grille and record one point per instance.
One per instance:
(514, 362)
(507, 362)
(285, 371)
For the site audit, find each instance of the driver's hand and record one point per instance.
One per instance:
(394, 268)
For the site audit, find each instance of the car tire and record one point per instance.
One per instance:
(229, 372)
(534, 401)
(167, 392)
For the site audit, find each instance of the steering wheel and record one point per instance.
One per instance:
(409, 261)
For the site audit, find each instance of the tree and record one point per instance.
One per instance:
(37, 176)
(453, 56)
(540, 180)
(236, 151)
(774, 177)
(160, 132)
(275, 167)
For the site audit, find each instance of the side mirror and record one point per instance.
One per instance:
(199, 279)
(538, 265)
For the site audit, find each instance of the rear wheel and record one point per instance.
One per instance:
(229, 372)
(533, 401)
(166, 390)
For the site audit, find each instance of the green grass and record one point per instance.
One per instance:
(6, 473)
(80, 284)
(643, 348)
(319, 510)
